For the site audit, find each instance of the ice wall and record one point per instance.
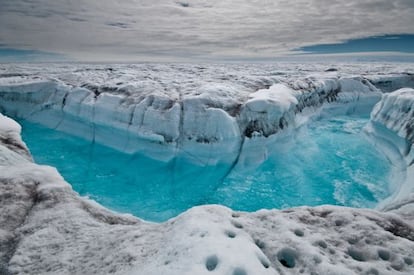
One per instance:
(214, 117)
(392, 128)
(391, 82)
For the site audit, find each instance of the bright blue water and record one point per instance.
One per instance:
(327, 162)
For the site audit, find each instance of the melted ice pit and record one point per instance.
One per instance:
(329, 161)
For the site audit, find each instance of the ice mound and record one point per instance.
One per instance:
(11, 140)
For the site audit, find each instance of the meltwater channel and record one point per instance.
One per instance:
(328, 161)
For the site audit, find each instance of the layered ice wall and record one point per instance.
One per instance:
(229, 114)
(168, 112)
(395, 112)
(392, 128)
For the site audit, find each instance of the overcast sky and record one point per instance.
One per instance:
(134, 30)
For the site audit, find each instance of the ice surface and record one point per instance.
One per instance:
(46, 228)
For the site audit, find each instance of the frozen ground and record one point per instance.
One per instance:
(46, 228)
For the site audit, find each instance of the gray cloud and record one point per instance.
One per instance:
(207, 29)
(118, 25)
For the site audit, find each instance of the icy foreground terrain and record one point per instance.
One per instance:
(46, 228)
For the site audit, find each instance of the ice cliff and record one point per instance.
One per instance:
(46, 228)
(178, 111)
(391, 127)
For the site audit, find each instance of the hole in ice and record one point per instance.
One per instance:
(384, 254)
(211, 262)
(328, 161)
(357, 254)
(287, 257)
(372, 271)
(353, 240)
(339, 222)
(235, 215)
(230, 234)
(322, 244)
(264, 261)
(299, 232)
(237, 224)
(260, 244)
(239, 271)
(408, 261)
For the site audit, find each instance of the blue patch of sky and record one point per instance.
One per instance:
(19, 55)
(402, 43)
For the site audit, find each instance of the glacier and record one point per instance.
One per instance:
(166, 111)
(188, 111)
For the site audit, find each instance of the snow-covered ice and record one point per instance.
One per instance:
(47, 228)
